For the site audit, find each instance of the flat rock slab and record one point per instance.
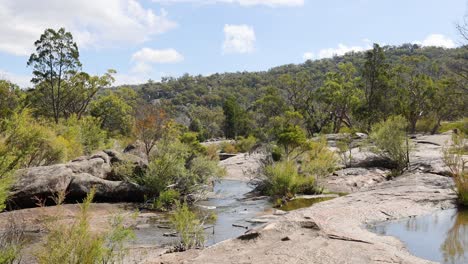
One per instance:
(334, 231)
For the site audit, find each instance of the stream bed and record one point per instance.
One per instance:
(230, 208)
(441, 236)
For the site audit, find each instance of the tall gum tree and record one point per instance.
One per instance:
(54, 63)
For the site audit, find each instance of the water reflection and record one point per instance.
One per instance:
(456, 244)
(441, 236)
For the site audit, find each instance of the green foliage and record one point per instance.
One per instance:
(235, 118)
(176, 165)
(288, 134)
(55, 61)
(454, 159)
(167, 167)
(391, 141)
(344, 146)
(76, 243)
(319, 161)
(166, 199)
(203, 169)
(341, 93)
(228, 147)
(82, 136)
(283, 180)
(276, 153)
(207, 122)
(188, 227)
(126, 171)
(415, 88)
(31, 142)
(461, 125)
(115, 114)
(245, 144)
(11, 97)
(376, 105)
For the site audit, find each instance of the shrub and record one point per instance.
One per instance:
(212, 152)
(75, 243)
(246, 144)
(166, 199)
(391, 141)
(188, 227)
(461, 125)
(345, 149)
(126, 171)
(282, 179)
(30, 142)
(455, 161)
(426, 124)
(166, 168)
(319, 161)
(204, 169)
(228, 147)
(81, 136)
(276, 153)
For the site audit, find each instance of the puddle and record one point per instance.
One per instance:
(441, 236)
(302, 203)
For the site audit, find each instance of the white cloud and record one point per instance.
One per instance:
(238, 39)
(92, 23)
(270, 3)
(308, 56)
(146, 56)
(341, 50)
(24, 81)
(436, 40)
(157, 56)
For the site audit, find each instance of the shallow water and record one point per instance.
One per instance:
(303, 202)
(226, 203)
(441, 236)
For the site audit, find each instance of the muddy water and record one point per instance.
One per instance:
(226, 203)
(441, 236)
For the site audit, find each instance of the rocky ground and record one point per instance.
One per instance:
(329, 232)
(335, 231)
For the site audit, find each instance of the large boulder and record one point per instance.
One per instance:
(38, 185)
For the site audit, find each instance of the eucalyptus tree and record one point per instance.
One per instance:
(415, 88)
(341, 92)
(54, 63)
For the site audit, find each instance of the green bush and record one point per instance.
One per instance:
(31, 142)
(228, 147)
(189, 228)
(175, 165)
(126, 171)
(245, 144)
(391, 141)
(454, 159)
(425, 125)
(76, 243)
(166, 168)
(318, 161)
(345, 149)
(461, 125)
(166, 199)
(282, 179)
(276, 153)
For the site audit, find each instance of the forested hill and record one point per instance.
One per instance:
(246, 86)
(354, 91)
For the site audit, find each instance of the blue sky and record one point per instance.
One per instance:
(154, 38)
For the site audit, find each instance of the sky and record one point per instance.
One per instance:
(150, 39)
